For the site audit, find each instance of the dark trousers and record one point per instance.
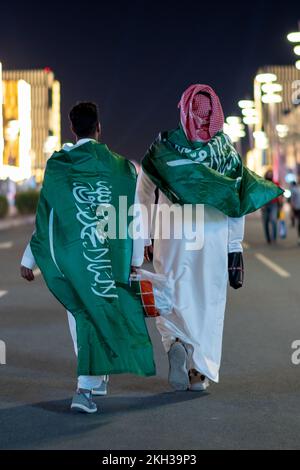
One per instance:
(270, 216)
(297, 217)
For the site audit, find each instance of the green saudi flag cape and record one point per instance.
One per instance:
(86, 270)
(206, 173)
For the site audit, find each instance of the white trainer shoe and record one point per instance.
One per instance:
(178, 373)
(198, 382)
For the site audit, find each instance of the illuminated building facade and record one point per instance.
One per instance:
(15, 160)
(270, 149)
(1, 120)
(45, 115)
(290, 141)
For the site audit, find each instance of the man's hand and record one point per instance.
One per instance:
(27, 273)
(148, 253)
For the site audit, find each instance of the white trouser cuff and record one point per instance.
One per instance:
(88, 382)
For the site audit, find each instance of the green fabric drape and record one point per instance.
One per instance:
(206, 173)
(85, 269)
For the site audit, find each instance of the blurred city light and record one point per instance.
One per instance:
(31, 98)
(261, 140)
(244, 104)
(249, 112)
(266, 77)
(282, 130)
(12, 130)
(297, 64)
(271, 87)
(16, 159)
(294, 37)
(241, 133)
(297, 50)
(50, 144)
(250, 120)
(271, 98)
(290, 178)
(232, 120)
(24, 112)
(1, 118)
(234, 128)
(287, 194)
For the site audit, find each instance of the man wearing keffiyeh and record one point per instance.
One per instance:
(197, 164)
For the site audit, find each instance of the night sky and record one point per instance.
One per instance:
(135, 58)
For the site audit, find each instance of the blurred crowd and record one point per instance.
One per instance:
(282, 212)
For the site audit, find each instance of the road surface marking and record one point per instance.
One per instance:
(273, 266)
(6, 245)
(16, 222)
(37, 272)
(3, 293)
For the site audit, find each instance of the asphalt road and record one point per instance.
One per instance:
(256, 405)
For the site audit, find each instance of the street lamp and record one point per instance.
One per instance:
(233, 120)
(250, 121)
(250, 117)
(297, 49)
(271, 87)
(270, 98)
(246, 104)
(235, 129)
(50, 145)
(295, 38)
(282, 130)
(266, 77)
(249, 112)
(11, 134)
(270, 95)
(261, 140)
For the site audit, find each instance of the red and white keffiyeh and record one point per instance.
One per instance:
(201, 113)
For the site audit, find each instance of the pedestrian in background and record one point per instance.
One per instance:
(295, 204)
(270, 214)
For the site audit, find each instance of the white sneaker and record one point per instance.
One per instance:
(198, 382)
(178, 373)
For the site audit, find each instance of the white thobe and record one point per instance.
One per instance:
(28, 261)
(199, 279)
